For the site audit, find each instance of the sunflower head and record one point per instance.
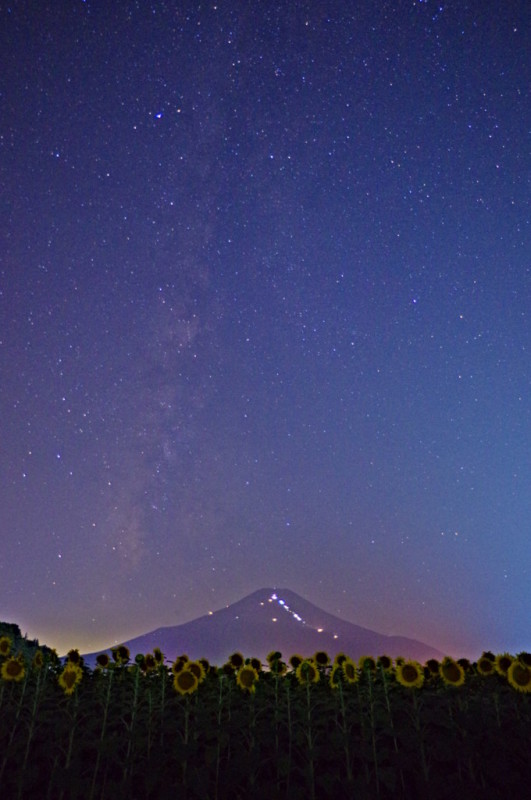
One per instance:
(150, 662)
(5, 645)
(295, 660)
(519, 676)
(410, 674)
(307, 672)
(13, 669)
(367, 664)
(485, 666)
(255, 663)
(337, 676)
(38, 660)
(121, 654)
(198, 669)
(158, 655)
(185, 681)
(179, 664)
(525, 658)
(339, 658)
(236, 660)
(350, 670)
(70, 677)
(451, 672)
(246, 678)
(103, 660)
(274, 655)
(278, 667)
(385, 663)
(502, 663)
(73, 657)
(321, 658)
(433, 666)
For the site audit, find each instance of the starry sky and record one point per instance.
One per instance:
(264, 315)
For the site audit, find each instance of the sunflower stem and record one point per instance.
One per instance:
(109, 677)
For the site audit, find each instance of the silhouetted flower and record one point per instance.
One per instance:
(350, 670)
(103, 660)
(502, 663)
(485, 665)
(236, 660)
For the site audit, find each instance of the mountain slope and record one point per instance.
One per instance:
(272, 619)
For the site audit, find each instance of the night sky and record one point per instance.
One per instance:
(265, 291)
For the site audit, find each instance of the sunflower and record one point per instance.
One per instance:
(185, 681)
(120, 654)
(519, 676)
(502, 663)
(70, 677)
(73, 657)
(103, 660)
(158, 655)
(278, 667)
(198, 669)
(150, 662)
(350, 670)
(38, 660)
(295, 660)
(525, 658)
(485, 665)
(236, 660)
(5, 645)
(254, 662)
(339, 658)
(385, 663)
(367, 664)
(307, 672)
(321, 658)
(410, 674)
(274, 655)
(451, 672)
(13, 669)
(179, 663)
(337, 676)
(432, 665)
(246, 678)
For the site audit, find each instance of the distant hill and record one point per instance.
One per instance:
(272, 619)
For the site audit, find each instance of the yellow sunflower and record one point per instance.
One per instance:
(179, 663)
(485, 666)
(13, 669)
(5, 645)
(367, 664)
(502, 662)
(519, 676)
(337, 676)
(451, 672)
(307, 672)
(70, 677)
(410, 674)
(198, 669)
(274, 655)
(350, 670)
(246, 678)
(38, 660)
(121, 654)
(185, 681)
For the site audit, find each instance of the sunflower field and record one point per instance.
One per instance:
(305, 727)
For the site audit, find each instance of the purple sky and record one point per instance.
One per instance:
(264, 308)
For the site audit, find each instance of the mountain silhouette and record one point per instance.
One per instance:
(272, 619)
